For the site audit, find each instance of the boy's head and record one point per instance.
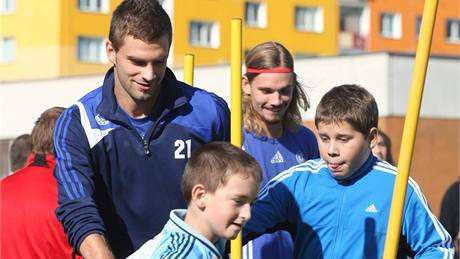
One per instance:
(145, 20)
(42, 133)
(219, 184)
(346, 119)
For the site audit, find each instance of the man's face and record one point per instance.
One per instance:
(343, 148)
(139, 68)
(271, 95)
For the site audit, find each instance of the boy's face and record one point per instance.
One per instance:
(228, 209)
(343, 148)
(271, 94)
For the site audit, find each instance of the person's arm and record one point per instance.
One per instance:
(425, 236)
(74, 174)
(95, 246)
(274, 208)
(221, 127)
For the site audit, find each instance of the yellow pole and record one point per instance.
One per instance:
(188, 68)
(235, 119)
(410, 129)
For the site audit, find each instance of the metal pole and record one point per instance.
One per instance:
(410, 128)
(189, 66)
(235, 119)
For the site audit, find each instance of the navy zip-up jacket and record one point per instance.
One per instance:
(114, 182)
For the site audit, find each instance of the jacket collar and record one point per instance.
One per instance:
(171, 97)
(361, 172)
(44, 160)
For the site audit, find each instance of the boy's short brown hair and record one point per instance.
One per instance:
(350, 103)
(145, 20)
(42, 133)
(212, 164)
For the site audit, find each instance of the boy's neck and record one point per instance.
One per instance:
(192, 218)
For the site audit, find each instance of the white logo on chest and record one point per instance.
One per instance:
(277, 158)
(371, 209)
(101, 120)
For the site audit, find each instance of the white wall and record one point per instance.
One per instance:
(387, 77)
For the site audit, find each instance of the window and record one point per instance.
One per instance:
(255, 14)
(418, 26)
(204, 34)
(94, 5)
(8, 50)
(7, 6)
(91, 49)
(309, 19)
(453, 30)
(390, 25)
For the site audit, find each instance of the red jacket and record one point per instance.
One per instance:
(29, 227)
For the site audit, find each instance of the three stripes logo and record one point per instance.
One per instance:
(371, 209)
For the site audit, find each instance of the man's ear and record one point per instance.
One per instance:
(199, 196)
(110, 52)
(246, 86)
(372, 138)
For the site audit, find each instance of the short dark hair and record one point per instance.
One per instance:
(42, 133)
(212, 163)
(350, 103)
(145, 20)
(19, 151)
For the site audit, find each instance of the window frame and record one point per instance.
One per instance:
(8, 49)
(260, 14)
(204, 34)
(92, 44)
(310, 20)
(390, 25)
(453, 24)
(7, 6)
(93, 6)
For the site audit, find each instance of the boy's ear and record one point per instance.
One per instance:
(110, 51)
(246, 86)
(199, 196)
(372, 138)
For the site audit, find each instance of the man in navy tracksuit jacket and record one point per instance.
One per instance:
(122, 148)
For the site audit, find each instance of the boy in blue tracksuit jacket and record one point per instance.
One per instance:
(220, 182)
(122, 148)
(339, 205)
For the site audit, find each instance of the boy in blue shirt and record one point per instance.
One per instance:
(339, 205)
(220, 182)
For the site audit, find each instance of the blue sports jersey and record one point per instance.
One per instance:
(346, 218)
(113, 181)
(274, 156)
(179, 240)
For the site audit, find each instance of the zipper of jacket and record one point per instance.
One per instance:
(338, 233)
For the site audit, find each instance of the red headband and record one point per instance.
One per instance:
(269, 70)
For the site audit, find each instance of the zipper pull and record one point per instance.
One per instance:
(146, 147)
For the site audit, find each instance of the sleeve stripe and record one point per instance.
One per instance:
(58, 139)
(180, 246)
(446, 241)
(73, 187)
(311, 166)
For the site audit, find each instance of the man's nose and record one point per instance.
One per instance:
(148, 73)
